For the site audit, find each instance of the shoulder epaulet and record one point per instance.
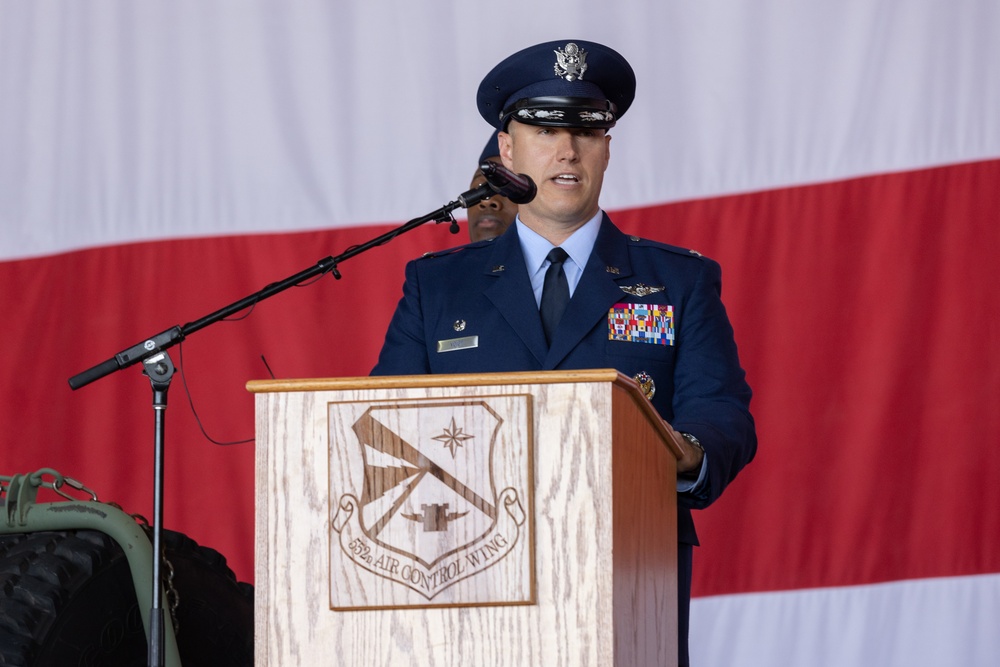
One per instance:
(687, 252)
(457, 249)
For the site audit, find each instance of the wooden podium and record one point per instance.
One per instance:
(507, 519)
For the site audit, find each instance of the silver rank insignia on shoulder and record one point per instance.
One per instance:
(695, 253)
(641, 289)
(571, 62)
(646, 383)
(634, 239)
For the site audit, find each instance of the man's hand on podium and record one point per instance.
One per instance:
(688, 465)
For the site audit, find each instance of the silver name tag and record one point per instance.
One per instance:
(453, 344)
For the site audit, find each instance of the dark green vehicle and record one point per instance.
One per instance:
(76, 585)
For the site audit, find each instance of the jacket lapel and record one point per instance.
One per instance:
(511, 292)
(594, 295)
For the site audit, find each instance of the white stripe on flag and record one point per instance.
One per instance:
(913, 623)
(207, 118)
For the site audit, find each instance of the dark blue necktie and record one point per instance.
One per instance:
(555, 293)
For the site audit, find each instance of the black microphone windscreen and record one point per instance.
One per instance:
(519, 188)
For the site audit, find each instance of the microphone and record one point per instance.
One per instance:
(477, 194)
(519, 188)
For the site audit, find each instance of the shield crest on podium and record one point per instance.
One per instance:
(428, 490)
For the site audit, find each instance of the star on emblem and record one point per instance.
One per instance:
(452, 437)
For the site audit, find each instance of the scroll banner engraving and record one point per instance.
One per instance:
(429, 580)
(418, 506)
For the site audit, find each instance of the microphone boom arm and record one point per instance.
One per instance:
(175, 334)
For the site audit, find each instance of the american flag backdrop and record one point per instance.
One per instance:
(839, 158)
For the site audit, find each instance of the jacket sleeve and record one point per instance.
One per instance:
(711, 396)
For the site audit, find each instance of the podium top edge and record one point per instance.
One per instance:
(436, 380)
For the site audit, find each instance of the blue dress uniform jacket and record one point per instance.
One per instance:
(483, 290)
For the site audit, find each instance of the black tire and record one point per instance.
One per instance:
(66, 598)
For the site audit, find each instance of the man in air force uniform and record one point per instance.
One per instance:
(650, 310)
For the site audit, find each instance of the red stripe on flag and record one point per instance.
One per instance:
(866, 313)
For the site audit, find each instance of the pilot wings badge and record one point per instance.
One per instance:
(641, 289)
(428, 514)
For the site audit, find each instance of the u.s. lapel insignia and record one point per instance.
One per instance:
(646, 383)
(641, 289)
(498, 268)
(612, 269)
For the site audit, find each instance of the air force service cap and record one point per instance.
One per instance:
(569, 83)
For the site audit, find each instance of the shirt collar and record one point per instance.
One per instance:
(578, 246)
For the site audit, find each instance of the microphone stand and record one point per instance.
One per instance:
(152, 352)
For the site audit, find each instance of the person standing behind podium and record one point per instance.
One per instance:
(566, 289)
(490, 217)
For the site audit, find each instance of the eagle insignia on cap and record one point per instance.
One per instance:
(571, 62)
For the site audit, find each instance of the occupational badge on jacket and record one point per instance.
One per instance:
(640, 289)
(641, 323)
(645, 381)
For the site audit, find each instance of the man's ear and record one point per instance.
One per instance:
(506, 142)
